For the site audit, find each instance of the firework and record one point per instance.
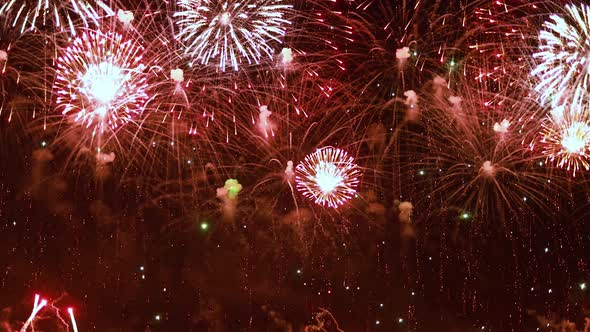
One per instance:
(22, 64)
(8, 75)
(474, 159)
(37, 306)
(563, 70)
(328, 176)
(231, 32)
(62, 15)
(73, 319)
(298, 61)
(101, 80)
(567, 143)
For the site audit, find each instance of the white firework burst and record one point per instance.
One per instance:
(563, 70)
(567, 143)
(328, 176)
(58, 14)
(101, 80)
(231, 32)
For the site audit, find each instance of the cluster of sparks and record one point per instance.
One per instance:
(563, 76)
(102, 77)
(564, 68)
(231, 32)
(100, 80)
(567, 143)
(34, 14)
(328, 176)
(105, 77)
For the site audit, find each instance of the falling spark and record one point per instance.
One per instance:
(73, 319)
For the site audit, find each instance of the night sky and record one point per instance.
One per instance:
(463, 206)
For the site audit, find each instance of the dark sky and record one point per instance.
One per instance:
(144, 241)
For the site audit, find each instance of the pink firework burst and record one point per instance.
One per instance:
(101, 80)
(328, 176)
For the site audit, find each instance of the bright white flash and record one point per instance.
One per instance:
(576, 137)
(328, 177)
(101, 112)
(224, 18)
(102, 82)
